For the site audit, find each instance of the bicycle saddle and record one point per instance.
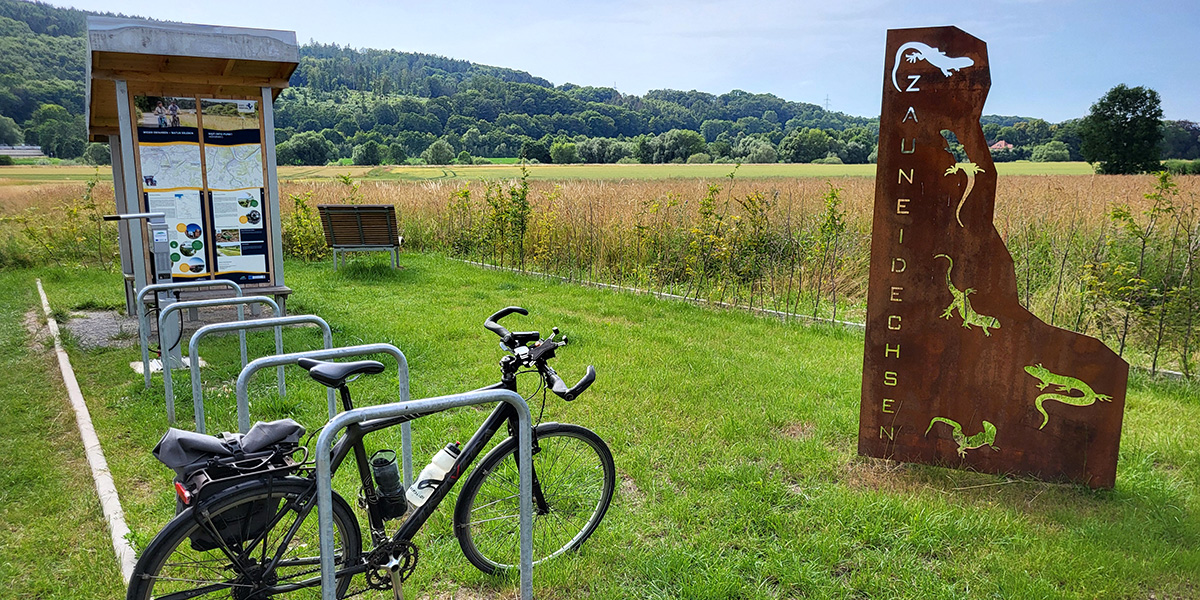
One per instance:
(334, 374)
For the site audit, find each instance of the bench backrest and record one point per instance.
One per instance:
(350, 225)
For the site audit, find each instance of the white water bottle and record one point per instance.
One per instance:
(432, 475)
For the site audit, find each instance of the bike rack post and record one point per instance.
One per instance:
(427, 405)
(243, 382)
(144, 322)
(168, 385)
(241, 327)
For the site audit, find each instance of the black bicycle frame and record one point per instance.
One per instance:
(352, 441)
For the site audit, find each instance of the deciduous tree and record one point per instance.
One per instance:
(1121, 133)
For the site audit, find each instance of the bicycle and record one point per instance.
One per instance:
(256, 535)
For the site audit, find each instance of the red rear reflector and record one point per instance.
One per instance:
(183, 494)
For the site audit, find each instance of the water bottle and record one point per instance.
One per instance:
(388, 487)
(432, 475)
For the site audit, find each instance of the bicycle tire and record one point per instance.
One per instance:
(171, 565)
(486, 515)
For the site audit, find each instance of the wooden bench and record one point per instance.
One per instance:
(361, 228)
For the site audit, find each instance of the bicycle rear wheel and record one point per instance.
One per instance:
(576, 474)
(224, 554)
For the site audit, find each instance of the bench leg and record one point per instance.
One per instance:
(193, 314)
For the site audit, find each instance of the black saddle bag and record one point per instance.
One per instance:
(207, 465)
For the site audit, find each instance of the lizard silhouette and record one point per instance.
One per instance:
(934, 56)
(987, 437)
(963, 304)
(1065, 384)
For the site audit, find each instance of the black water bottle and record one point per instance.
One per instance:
(388, 486)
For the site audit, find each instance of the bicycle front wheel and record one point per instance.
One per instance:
(575, 475)
(228, 551)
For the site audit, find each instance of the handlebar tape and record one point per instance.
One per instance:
(491, 323)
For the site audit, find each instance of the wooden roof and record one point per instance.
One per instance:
(180, 59)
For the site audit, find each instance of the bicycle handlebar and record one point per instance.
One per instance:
(538, 354)
(506, 336)
(559, 387)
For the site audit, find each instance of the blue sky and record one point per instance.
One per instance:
(1050, 59)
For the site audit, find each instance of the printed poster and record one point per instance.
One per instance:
(240, 234)
(185, 230)
(172, 181)
(233, 163)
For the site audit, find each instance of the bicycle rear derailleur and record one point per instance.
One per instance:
(392, 561)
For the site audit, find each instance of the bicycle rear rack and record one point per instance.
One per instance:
(427, 405)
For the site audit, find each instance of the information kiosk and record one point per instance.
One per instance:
(187, 114)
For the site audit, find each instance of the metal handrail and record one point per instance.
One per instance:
(241, 327)
(168, 385)
(144, 324)
(243, 384)
(324, 473)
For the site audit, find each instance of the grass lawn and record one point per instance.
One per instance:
(53, 534)
(734, 438)
(28, 174)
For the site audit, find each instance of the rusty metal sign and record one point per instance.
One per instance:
(955, 371)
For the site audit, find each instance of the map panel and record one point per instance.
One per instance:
(234, 167)
(170, 166)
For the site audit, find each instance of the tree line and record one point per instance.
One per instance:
(385, 106)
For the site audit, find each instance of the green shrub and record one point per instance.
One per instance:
(5, 160)
(699, 158)
(302, 235)
(1177, 166)
(832, 159)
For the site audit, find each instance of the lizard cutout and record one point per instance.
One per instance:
(987, 437)
(934, 56)
(1065, 384)
(970, 170)
(962, 304)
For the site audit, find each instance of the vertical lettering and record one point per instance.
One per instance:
(890, 432)
(888, 350)
(909, 177)
(890, 379)
(913, 114)
(901, 209)
(902, 265)
(896, 293)
(894, 322)
(910, 150)
(887, 406)
(912, 86)
(901, 236)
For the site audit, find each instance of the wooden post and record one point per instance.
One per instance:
(267, 110)
(129, 183)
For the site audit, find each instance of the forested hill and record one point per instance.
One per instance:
(385, 105)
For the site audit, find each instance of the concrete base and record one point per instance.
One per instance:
(156, 365)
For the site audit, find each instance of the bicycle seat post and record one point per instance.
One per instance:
(347, 403)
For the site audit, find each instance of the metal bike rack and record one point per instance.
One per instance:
(144, 322)
(168, 385)
(243, 382)
(241, 327)
(427, 405)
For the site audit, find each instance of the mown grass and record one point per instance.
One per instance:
(31, 174)
(734, 438)
(54, 538)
